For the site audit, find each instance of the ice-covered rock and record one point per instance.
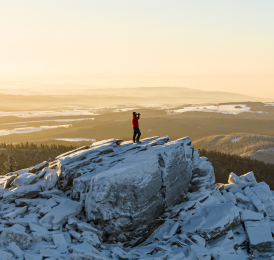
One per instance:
(23, 180)
(203, 176)
(217, 219)
(127, 199)
(5, 255)
(86, 256)
(30, 191)
(249, 215)
(159, 192)
(200, 252)
(9, 235)
(33, 256)
(58, 216)
(9, 180)
(17, 252)
(38, 167)
(15, 213)
(260, 238)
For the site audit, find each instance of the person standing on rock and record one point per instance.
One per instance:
(135, 125)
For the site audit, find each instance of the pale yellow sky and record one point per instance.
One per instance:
(210, 45)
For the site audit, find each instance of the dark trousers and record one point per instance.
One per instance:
(136, 132)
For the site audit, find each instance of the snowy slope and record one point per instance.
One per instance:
(118, 200)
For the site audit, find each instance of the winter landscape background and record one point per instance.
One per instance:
(199, 185)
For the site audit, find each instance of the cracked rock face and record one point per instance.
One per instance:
(128, 200)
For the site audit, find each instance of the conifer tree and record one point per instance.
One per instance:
(9, 166)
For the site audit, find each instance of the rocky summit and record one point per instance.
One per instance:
(124, 201)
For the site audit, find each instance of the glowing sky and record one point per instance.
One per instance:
(224, 45)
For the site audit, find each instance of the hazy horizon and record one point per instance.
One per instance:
(212, 46)
(49, 89)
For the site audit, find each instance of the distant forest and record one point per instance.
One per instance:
(29, 154)
(224, 164)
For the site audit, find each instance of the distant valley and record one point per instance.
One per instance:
(257, 147)
(209, 118)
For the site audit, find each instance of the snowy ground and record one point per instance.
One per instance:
(269, 104)
(24, 130)
(33, 114)
(53, 120)
(224, 109)
(76, 139)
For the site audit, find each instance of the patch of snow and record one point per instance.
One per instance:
(53, 120)
(124, 109)
(33, 114)
(269, 104)
(25, 130)
(235, 139)
(233, 109)
(76, 140)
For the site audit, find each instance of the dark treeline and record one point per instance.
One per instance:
(224, 164)
(29, 154)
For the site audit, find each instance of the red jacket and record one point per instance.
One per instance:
(134, 121)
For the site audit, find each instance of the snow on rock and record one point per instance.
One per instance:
(30, 191)
(260, 238)
(39, 167)
(5, 255)
(22, 239)
(17, 252)
(9, 180)
(118, 200)
(249, 215)
(86, 256)
(217, 219)
(31, 256)
(142, 192)
(203, 175)
(58, 216)
(23, 180)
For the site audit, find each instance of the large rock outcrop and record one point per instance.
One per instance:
(126, 188)
(160, 193)
(128, 199)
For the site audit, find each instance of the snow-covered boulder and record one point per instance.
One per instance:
(13, 234)
(217, 219)
(30, 191)
(38, 167)
(58, 216)
(260, 238)
(23, 180)
(5, 255)
(127, 200)
(249, 215)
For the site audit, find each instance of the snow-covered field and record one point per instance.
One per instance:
(269, 104)
(25, 130)
(124, 109)
(76, 139)
(53, 120)
(33, 114)
(69, 111)
(224, 109)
